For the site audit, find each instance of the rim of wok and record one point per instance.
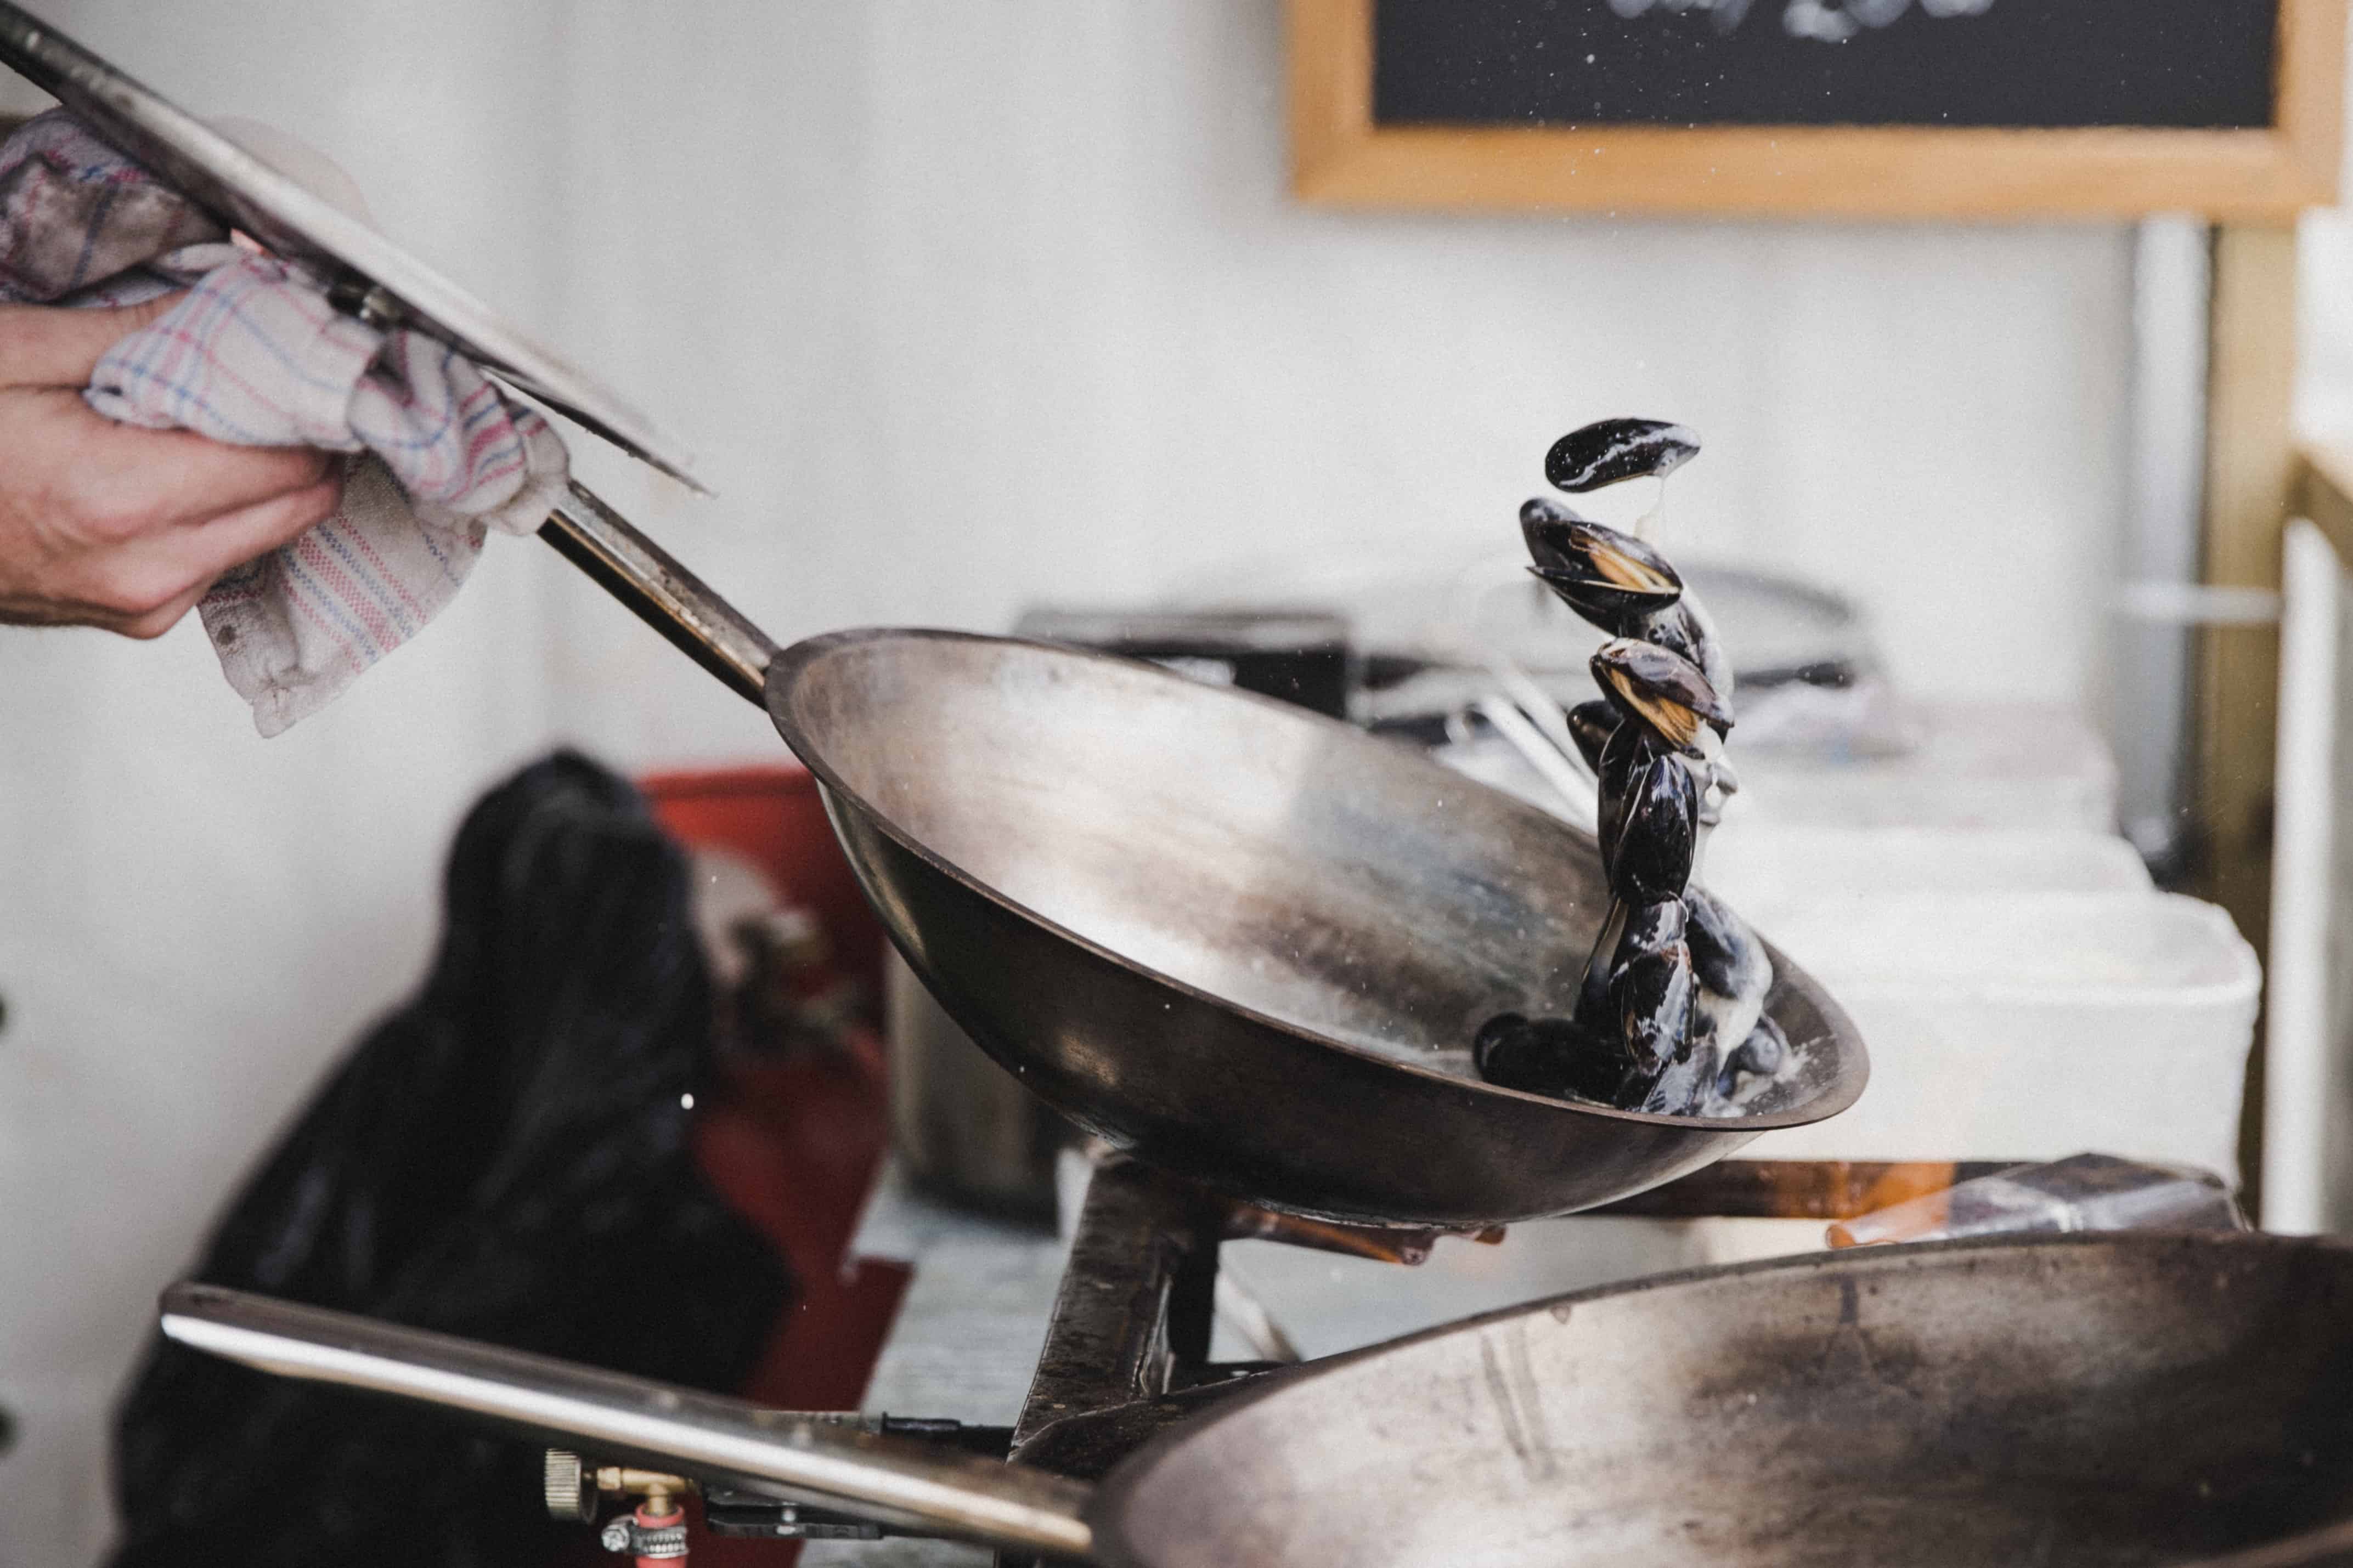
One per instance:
(2307, 1548)
(1844, 1087)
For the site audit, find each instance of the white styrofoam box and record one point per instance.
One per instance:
(2031, 1026)
(1978, 764)
(1759, 865)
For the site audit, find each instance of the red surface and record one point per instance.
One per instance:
(648, 1519)
(773, 817)
(795, 1146)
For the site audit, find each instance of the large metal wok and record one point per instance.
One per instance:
(1250, 945)
(2063, 1401)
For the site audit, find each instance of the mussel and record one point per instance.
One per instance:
(1688, 629)
(1731, 966)
(1725, 954)
(1555, 1057)
(1669, 1015)
(1590, 725)
(1686, 1084)
(1609, 450)
(1762, 1055)
(1612, 579)
(1649, 821)
(1651, 985)
(1664, 691)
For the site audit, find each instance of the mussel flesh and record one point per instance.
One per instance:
(1665, 690)
(1609, 450)
(1612, 579)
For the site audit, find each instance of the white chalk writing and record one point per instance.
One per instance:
(1827, 21)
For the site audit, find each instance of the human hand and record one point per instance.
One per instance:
(109, 525)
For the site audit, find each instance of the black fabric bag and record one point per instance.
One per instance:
(505, 1158)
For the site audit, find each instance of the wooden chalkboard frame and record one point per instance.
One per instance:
(1339, 157)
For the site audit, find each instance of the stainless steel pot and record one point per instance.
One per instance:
(964, 1126)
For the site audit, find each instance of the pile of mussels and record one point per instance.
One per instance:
(1670, 1016)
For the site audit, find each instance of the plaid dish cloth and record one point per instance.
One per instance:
(255, 356)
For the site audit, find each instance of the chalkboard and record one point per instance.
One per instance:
(2042, 63)
(1916, 107)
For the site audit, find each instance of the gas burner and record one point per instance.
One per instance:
(1127, 1347)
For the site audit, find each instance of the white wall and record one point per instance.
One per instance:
(964, 305)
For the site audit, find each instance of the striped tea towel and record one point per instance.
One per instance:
(255, 356)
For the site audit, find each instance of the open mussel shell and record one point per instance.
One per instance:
(1609, 450)
(1559, 540)
(1664, 691)
(1545, 524)
(1620, 612)
(1612, 579)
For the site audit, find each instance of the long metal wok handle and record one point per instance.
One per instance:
(899, 1482)
(665, 594)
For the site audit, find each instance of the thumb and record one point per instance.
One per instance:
(49, 345)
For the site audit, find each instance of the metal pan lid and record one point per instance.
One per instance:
(377, 277)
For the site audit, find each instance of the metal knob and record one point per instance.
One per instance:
(570, 1488)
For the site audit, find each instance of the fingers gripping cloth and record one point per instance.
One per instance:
(255, 355)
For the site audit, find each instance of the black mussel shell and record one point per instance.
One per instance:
(1664, 691)
(1681, 1089)
(1649, 822)
(1687, 630)
(1690, 631)
(1652, 998)
(1649, 928)
(1496, 1038)
(1612, 579)
(1590, 725)
(1628, 747)
(1545, 524)
(1553, 1057)
(1618, 611)
(1558, 540)
(1596, 570)
(1762, 1053)
(1726, 956)
(1612, 449)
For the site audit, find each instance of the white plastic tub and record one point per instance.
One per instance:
(1983, 765)
(1759, 866)
(2031, 1026)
